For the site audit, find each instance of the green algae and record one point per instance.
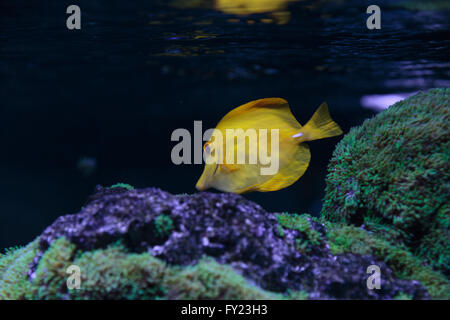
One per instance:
(50, 281)
(309, 237)
(122, 185)
(210, 280)
(403, 296)
(280, 231)
(115, 273)
(163, 226)
(344, 238)
(14, 263)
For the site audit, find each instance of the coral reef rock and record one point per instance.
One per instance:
(280, 253)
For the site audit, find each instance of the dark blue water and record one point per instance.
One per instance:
(114, 91)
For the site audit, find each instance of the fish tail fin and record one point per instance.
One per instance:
(320, 126)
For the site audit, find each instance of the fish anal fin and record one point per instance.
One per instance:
(249, 189)
(289, 173)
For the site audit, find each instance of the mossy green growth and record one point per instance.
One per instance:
(298, 295)
(344, 238)
(392, 174)
(163, 226)
(403, 296)
(50, 281)
(110, 273)
(210, 280)
(13, 271)
(122, 185)
(115, 273)
(301, 223)
(280, 231)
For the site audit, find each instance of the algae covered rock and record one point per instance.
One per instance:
(391, 176)
(150, 244)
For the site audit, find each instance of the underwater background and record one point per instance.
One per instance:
(99, 105)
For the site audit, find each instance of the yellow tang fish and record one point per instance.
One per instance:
(233, 165)
(246, 7)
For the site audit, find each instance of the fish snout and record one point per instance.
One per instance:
(201, 185)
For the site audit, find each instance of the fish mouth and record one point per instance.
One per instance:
(201, 185)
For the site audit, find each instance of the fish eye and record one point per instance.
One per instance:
(207, 148)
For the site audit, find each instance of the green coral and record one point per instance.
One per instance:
(13, 271)
(115, 273)
(163, 225)
(392, 175)
(298, 295)
(122, 185)
(280, 231)
(403, 296)
(50, 278)
(210, 280)
(309, 237)
(344, 238)
(110, 273)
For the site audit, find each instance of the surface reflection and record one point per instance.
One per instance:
(380, 102)
(246, 7)
(273, 11)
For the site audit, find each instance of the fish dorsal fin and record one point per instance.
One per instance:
(268, 113)
(267, 103)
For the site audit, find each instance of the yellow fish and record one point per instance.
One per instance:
(246, 7)
(233, 165)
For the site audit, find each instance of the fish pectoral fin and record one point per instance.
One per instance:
(229, 167)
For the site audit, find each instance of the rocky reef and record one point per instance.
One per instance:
(151, 244)
(386, 205)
